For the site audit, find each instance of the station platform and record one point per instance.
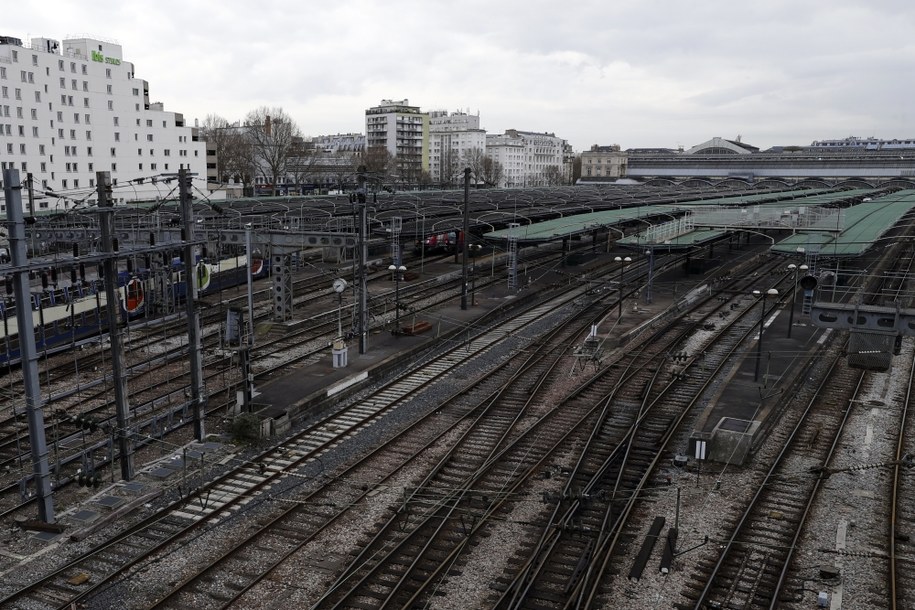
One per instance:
(309, 389)
(763, 379)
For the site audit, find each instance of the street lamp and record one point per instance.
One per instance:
(620, 260)
(795, 268)
(398, 273)
(762, 316)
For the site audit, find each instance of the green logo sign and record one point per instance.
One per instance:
(96, 56)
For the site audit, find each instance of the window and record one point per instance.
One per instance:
(149, 122)
(108, 89)
(23, 77)
(107, 72)
(63, 183)
(110, 105)
(72, 134)
(76, 118)
(167, 152)
(117, 136)
(85, 102)
(114, 167)
(73, 84)
(139, 152)
(113, 151)
(18, 94)
(84, 69)
(152, 166)
(116, 122)
(34, 114)
(21, 131)
(44, 167)
(38, 94)
(141, 166)
(88, 136)
(91, 167)
(15, 55)
(89, 151)
(22, 149)
(149, 137)
(136, 91)
(60, 65)
(60, 116)
(18, 112)
(41, 150)
(88, 118)
(60, 134)
(73, 67)
(4, 91)
(152, 152)
(34, 60)
(34, 132)
(69, 100)
(85, 85)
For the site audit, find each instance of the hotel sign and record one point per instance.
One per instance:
(96, 56)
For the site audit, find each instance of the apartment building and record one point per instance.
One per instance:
(71, 108)
(403, 130)
(529, 158)
(453, 137)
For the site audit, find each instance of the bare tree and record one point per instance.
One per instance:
(474, 158)
(272, 134)
(492, 172)
(233, 150)
(553, 176)
(451, 170)
(302, 162)
(576, 169)
(378, 162)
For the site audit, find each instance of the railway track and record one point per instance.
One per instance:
(227, 493)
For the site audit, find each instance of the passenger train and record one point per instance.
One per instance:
(64, 316)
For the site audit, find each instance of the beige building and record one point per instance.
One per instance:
(603, 162)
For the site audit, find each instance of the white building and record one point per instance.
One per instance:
(70, 109)
(404, 131)
(452, 138)
(528, 158)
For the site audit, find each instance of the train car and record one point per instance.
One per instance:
(58, 326)
(63, 317)
(441, 243)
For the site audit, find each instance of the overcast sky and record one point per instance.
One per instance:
(637, 73)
